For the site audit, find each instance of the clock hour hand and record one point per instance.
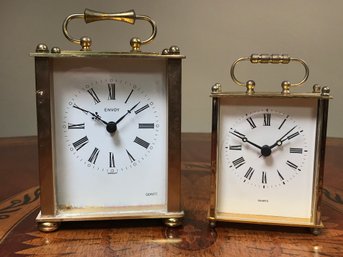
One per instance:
(244, 139)
(282, 139)
(128, 111)
(95, 115)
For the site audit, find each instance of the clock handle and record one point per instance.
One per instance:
(267, 58)
(92, 16)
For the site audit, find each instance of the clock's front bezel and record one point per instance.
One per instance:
(319, 153)
(44, 87)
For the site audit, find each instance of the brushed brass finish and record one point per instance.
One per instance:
(81, 54)
(322, 96)
(48, 226)
(173, 222)
(43, 67)
(129, 17)
(92, 16)
(85, 215)
(274, 59)
(316, 88)
(42, 48)
(173, 50)
(174, 134)
(216, 88)
(214, 151)
(50, 211)
(55, 50)
(250, 85)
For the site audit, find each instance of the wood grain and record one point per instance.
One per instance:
(195, 238)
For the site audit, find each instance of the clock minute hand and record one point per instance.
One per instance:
(128, 111)
(95, 115)
(244, 139)
(279, 142)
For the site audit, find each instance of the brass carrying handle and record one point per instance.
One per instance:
(92, 16)
(274, 59)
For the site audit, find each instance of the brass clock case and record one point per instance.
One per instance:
(319, 97)
(51, 212)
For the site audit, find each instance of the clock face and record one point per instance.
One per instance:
(266, 156)
(110, 127)
(266, 148)
(119, 113)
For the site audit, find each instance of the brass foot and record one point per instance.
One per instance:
(48, 226)
(315, 231)
(173, 222)
(213, 223)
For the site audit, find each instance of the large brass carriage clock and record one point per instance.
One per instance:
(268, 152)
(109, 130)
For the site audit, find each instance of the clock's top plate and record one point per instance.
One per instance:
(107, 54)
(271, 95)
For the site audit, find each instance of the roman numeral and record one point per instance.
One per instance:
(266, 119)
(238, 162)
(291, 164)
(280, 176)
(76, 126)
(142, 108)
(141, 142)
(249, 173)
(130, 156)
(293, 135)
(296, 150)
(251, 122)
(146, 125)
(94, 155)
(80, 143)
(128, 96)
(93, 95)
(111, 91)
(235, 147)
(111, 160)
(283, 122)
(264, 177)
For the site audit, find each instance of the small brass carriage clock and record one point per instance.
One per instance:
(109, 130)
(268, 152)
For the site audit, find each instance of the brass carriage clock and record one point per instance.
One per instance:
(109, 130)
(268, 152)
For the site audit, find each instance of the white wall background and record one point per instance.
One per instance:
(212, 34)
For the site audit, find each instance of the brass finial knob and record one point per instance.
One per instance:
(325, 91)
(250, 85)
(42, 48)
(286, 85)
(135, 44)
(316, 88)
(55, 50)
(85, 43)
(216, 88)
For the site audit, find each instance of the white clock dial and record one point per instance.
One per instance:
(266, 157)
(111, 125)
(110, 122)
(266, 148)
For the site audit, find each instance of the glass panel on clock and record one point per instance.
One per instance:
(266, 161)
(110, 122)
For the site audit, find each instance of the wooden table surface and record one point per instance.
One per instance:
(19, 204)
